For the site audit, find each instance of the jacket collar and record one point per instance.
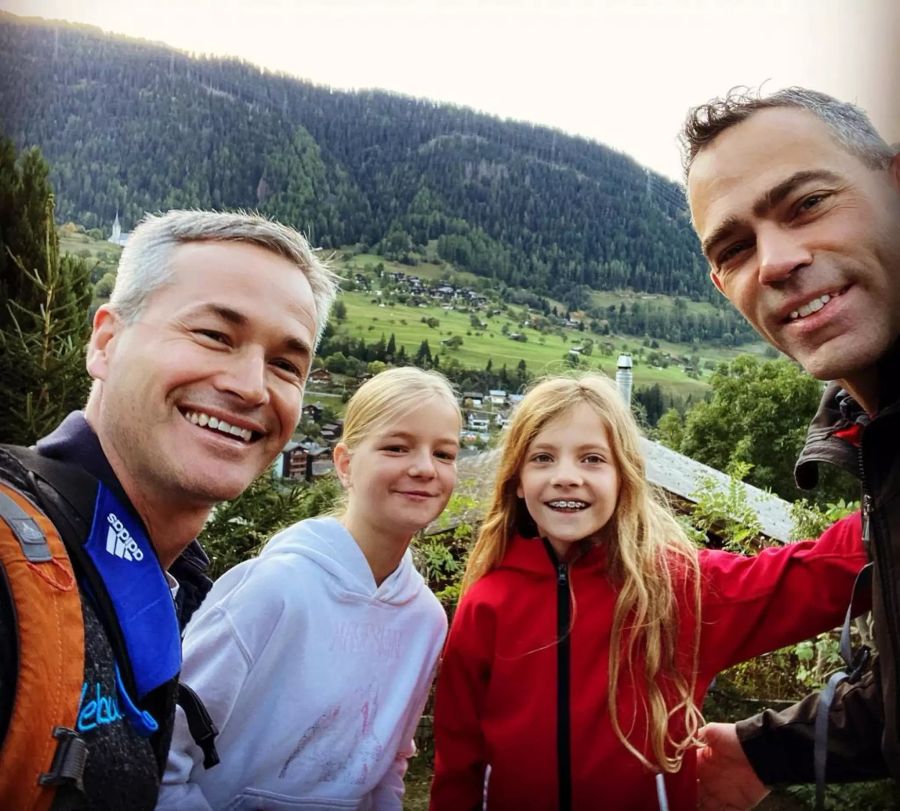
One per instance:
(74, 441)
(535, 555)
(828, 437)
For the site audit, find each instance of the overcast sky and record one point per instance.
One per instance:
(620, 72)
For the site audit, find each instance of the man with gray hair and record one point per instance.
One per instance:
(796, 201)
(198, 361)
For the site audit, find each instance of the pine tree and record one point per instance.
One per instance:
(44, 318)
(423, 355)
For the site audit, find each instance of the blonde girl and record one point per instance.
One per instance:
(315, 659)
(590, 627)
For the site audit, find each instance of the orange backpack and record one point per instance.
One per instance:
(40, 739)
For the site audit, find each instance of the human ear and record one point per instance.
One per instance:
(107, 325)
(520, 493)
(717, 282)
(341, 456)
(894, 169)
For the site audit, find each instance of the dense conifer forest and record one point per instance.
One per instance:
(131, 126)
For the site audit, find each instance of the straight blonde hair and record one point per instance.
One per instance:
(649, 558)
(387, 397)
(390, 395)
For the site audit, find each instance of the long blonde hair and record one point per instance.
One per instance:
(649, 557)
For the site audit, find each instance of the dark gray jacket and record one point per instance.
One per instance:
(864, 720)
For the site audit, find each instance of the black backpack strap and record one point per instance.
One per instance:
(856, 663)
(200, 725)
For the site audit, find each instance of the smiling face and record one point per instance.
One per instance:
(401, 475)
(197, 396)
(804, 239)
(569, 480)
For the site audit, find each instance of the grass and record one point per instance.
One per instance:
(418, 783)
(82, 245)
(542, 353)
(433, 271)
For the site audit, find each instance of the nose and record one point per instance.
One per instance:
(566, 474)
(780, 253)
(245, 377)
(421, 464)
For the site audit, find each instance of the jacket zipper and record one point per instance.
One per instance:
(885, 567)
(563, 710)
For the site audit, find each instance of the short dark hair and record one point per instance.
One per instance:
(849, 125)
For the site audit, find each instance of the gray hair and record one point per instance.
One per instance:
(849, 125)
(145, 264)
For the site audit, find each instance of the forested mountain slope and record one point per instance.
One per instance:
(131, 126)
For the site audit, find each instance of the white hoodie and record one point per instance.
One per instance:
(314, 676)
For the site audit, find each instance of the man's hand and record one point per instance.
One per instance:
(727, 780)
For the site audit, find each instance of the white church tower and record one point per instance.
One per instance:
(117, 237)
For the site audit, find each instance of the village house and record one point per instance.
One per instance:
(332, 431)
(320, 376)
(304, 461)
(312, 412)
(472, 399)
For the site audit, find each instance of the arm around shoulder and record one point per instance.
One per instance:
(778, 597)
(779, 745)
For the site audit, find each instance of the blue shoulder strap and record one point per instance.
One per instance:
(140, 596)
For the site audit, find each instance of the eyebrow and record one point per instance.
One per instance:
(590, 446)
(766, 202)
(409, 436)
(238, 319)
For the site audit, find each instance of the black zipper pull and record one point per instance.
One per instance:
(562, 573)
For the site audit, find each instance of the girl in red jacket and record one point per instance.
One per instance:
(590, 626)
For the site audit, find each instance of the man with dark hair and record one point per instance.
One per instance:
(796, 201)
(198, 361)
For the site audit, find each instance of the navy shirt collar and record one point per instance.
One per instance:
(75, 441)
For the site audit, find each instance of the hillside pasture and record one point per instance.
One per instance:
(543, 353)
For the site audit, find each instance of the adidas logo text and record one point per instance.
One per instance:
(119, 541)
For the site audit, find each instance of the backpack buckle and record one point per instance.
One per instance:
(200, 724)
(69, 759)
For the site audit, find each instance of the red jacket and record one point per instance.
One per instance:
(503, 698)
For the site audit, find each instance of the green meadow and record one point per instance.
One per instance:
(543, 353)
